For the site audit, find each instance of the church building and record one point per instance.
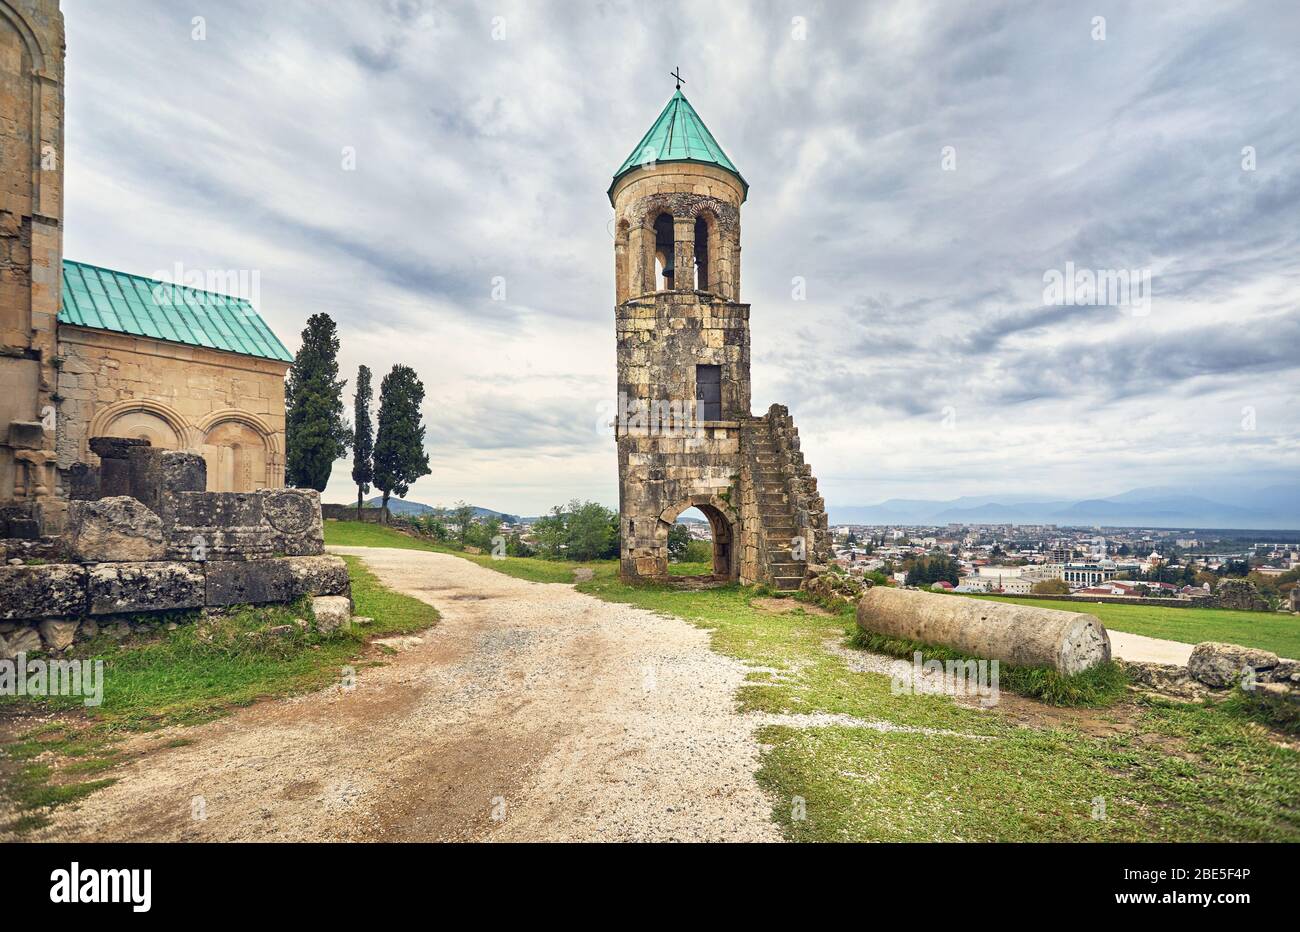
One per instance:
(88, 352)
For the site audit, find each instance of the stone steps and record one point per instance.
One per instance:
(790, 569)
(777, 513)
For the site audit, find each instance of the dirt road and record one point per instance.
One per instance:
(531, 712)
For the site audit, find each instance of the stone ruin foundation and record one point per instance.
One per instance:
(143, 540)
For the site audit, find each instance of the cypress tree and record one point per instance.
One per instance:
(363, 437)
(399, 446)
(316, 433)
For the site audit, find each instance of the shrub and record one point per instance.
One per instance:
(698, 551)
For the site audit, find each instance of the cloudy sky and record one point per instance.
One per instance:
(922, 166)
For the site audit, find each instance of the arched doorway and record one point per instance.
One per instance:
(706, 524)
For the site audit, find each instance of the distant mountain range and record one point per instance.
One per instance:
(1273, 507)
(398, 506)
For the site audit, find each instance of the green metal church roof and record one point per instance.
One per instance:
(146, 307)
(679, 135)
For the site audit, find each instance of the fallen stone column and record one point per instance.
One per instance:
(1022, 635)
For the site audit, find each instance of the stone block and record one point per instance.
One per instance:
(254, 582)
(48, 591)
(24, 529)
(323, 575)
(83, 482)
(158, 474)
(1222, 665)
(114, 466)
(333, 613)
(245, 525)
(25, 640)
(119, 588)
(115, 448)
(116, 529)
(26, 435)
(58, 633)
(184, 472)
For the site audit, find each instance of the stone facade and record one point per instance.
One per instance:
(31, 255)
(685, 434)
(227, 406)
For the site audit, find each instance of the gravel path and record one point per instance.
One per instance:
(1143, 649)
(531, 712)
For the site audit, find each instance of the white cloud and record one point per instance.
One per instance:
(479, 158)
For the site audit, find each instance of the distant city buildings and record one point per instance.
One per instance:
(1093, 561)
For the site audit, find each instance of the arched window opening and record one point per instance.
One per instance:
(701, 255)
(664, 250)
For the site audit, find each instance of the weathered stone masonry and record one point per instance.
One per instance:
(144, 541)
(31, 249)
(678, 316)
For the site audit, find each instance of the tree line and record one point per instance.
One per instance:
(577, 531)
(317, 432)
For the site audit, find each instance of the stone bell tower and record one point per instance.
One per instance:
(685, 434)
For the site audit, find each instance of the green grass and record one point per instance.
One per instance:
(690, 569)
(1265, 630)
(363, 534)
(533, 569)
(1273, 711)
(1163, 770)
(202, 670)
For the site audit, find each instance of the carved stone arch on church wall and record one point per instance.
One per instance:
(144, 419)
(242, 452)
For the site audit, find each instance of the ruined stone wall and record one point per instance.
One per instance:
(663, 337)
(149, 543)
(226, 406)
(31, 251)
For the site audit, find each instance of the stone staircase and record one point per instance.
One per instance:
(788, 504)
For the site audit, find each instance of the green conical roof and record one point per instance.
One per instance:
(679, 135)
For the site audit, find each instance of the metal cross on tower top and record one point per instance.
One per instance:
(678, 75)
